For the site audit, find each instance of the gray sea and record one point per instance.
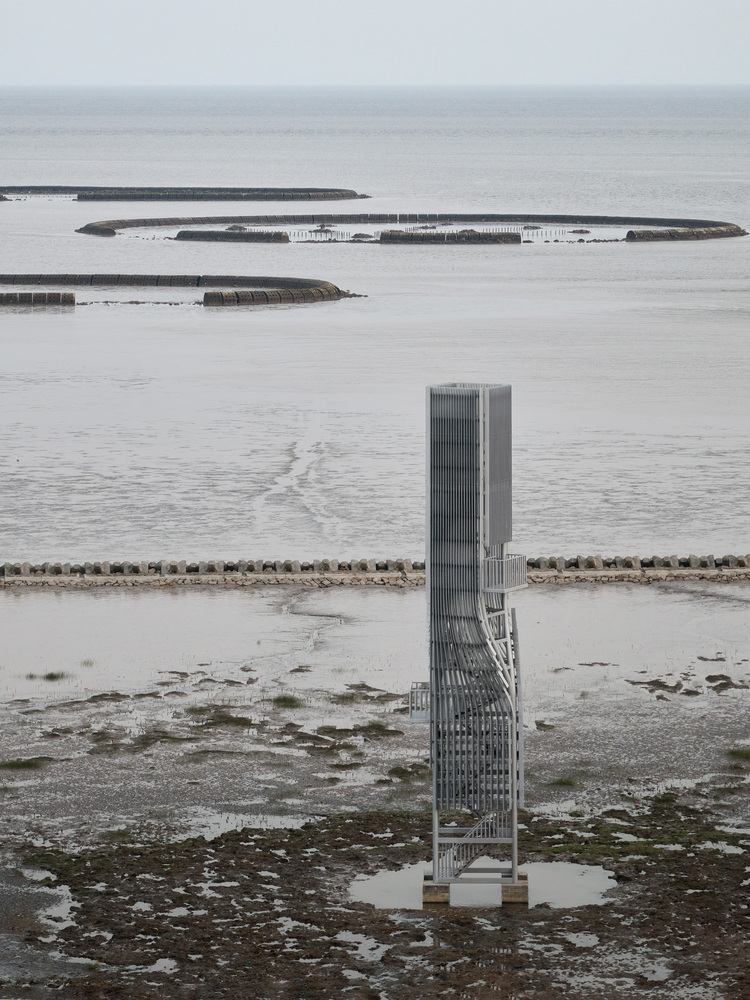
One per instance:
(150, 431)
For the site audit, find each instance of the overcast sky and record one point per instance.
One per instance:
(292, 42)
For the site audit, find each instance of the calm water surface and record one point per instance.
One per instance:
(150, 431)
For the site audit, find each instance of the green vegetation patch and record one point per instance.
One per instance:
(376, 731)
(410, 772)
(287, 701)
(25, 764)
(212, 716)
(221, 718)
(333, 731)
(356, 693)
(348, 698)
(739, 753)
(51, 675)
(117, 836)
(153, 736)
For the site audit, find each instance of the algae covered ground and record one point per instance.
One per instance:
(267, 914)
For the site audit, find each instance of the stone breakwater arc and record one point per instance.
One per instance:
(93, 193)
(237, 289)
(363, 572)
(668, 228)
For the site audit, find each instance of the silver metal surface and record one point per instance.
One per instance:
(474, 692)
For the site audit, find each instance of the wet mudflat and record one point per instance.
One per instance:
(267, 914)
(202, 777)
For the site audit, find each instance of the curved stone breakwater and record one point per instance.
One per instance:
(321, 292)
(689, 228)
(270, 290)
(89, 193)
(364, 572)
(716, 231)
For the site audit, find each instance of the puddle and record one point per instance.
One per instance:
(368, 948)
(166, 965)
(559, 884)
(582, 940)
(721, 846)
(563, 884)
(394, 890)
(210, 824)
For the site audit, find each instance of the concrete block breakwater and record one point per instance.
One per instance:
(88, 193)
(464, 236)
(270, 290)
(224, 236)
(37, 298)
(271, 296)
(320, 573)
(365, 572)
(714, 232)
(110, 227)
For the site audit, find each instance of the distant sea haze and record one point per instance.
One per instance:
(158, 431)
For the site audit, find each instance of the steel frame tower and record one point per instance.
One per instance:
(473, 699)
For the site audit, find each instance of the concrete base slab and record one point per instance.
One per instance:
(435, 892)
(516, 892)
(512, 892)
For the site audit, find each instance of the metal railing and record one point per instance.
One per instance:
(502, 575)
(459, 847)
(419, 701)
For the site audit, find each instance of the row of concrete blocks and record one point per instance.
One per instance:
(219, 194)
(470, 236)
(85, 191)
(166, 567)
(165, 280)
(37, 298)
(598, 563)
(222, 236)
(692, 233)
(135, 280)
(270, 289)
(271, 296)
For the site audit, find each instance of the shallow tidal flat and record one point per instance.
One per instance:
(272, 724)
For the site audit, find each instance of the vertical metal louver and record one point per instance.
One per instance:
(474, 693)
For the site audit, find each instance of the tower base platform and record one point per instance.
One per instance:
(511, 892)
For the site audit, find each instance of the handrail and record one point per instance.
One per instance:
(499, 576)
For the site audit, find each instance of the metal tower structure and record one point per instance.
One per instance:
(473, 699)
